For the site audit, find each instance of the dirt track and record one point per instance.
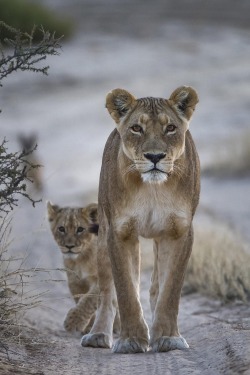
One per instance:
(141, 51)
(218, 337)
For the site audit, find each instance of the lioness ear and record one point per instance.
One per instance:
(184, 100)
(118, 103)
(52, 210)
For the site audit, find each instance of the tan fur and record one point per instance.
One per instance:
(79, 249)
(149, 186)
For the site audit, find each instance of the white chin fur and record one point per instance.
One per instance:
(154, 177)
(70, 256)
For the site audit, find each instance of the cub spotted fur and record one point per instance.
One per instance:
(72, 230)
(149, 186)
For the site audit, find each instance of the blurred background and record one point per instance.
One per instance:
(149, 48)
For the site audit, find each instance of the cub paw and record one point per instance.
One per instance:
(166, 343)
(74, 322)
(97, 340)
(130, 345)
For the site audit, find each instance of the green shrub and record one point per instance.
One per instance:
(24, 14)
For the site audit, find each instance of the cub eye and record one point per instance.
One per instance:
(80, 229)
(170, 128)
(61, 229)
(136, 128)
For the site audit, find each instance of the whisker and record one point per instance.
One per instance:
(131, 168)
(179, 171)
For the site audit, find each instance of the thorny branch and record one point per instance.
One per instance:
(13, 176)
(25, 54)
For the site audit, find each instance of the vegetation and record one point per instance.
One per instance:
(13, 177)
(219, 265)
(233, 160)
(23, 15)
(23, 55)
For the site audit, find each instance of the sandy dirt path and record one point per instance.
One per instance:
(218, 337)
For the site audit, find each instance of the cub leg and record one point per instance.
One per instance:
(77, 285)
(125, 260)
(173, 255)
(78, 317)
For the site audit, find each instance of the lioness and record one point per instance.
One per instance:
(149, 186)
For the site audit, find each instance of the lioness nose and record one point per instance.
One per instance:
(154, 157)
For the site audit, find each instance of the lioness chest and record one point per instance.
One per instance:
(154, 211)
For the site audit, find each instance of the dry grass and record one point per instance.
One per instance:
(233, 159)
(219, 265)
(16, 293)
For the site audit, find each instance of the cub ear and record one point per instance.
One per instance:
(51, 210)
(92, 213)
(184, 100)
(118, 103)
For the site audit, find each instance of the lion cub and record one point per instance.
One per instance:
(75, 232)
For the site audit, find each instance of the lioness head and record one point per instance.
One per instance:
(152, 130)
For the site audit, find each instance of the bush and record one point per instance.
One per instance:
(219, 265)
(13, 177)
(23, 55)
(24, 14)
(232, 160)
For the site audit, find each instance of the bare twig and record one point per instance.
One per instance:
(25, 54)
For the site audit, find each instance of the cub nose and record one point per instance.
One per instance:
(154, 157)
(70, 247)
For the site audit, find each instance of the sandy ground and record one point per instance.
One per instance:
(148, 53)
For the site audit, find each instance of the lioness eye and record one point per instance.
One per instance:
(136, 128)
(80, 229)
(170, 128)
(61, 229)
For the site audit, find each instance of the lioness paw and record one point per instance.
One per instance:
(130, 345)
(97, 340)
(166, 343)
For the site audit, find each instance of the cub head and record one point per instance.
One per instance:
(152, 130)
(73, 228)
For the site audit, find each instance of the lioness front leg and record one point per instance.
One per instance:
(172, 258)
(125, 260)
(101, 333)
(154, 289)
